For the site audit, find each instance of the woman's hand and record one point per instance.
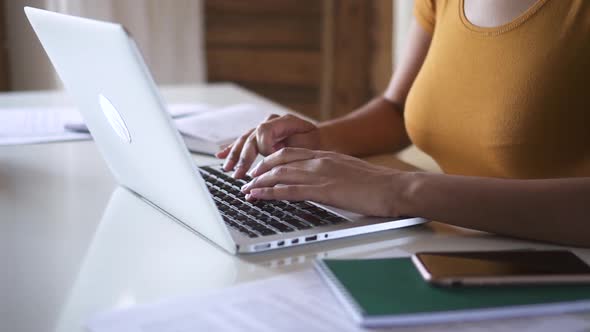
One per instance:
(275, 133)
(330, 178)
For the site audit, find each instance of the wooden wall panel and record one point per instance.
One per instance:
(320, 57)
(234, 30)
(292, 67)
(302, 99)
(349, 40)
(381, 48)
(272, 7)
(271, 47)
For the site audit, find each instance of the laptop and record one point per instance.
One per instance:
(103, 70)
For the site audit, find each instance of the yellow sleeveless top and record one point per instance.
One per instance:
(511, 101)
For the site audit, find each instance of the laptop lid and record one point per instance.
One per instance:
(103, 71)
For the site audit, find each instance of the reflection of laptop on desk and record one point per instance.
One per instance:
(103, 70)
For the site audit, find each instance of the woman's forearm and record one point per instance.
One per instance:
(377, 127)
(553, 210)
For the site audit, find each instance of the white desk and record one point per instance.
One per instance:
(72, 244)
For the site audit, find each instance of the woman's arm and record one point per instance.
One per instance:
(378, 126)
(553, 210)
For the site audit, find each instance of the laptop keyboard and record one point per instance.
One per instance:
(262, 218)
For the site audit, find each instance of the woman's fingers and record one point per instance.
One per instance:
(280, 175)
(283, 156)
(268, 138)
(272, 132)
(249, 152)
(234, 154)
(224, 152)
(287, 192)
(247, 157)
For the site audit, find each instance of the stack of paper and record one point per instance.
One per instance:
(205, 129)
(295, 302)
(211, 131)
(56, 124)
(38, 125)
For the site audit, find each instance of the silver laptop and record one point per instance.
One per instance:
(104, 72)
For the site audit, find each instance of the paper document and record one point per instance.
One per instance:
(224, 125)
(297, 302)
(294, 302)
(47, 124)
(38, 125)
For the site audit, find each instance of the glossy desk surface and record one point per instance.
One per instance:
(72, 243)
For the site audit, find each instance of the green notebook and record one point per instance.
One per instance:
(390, 292)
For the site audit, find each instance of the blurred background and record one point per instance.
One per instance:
(322, 58)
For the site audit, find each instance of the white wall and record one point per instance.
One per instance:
(169, 34)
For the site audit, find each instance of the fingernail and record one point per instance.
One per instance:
(248, 196)
(245, 187)
(237, 169)
(255, 168)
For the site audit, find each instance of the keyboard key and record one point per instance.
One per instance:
(229, 221)
(240, 228)
(222, 207)
(249, 210)
(212, 170)
(232, 213)
(309, 218)
(262, 230)
(281, 215)
(257, 214)
(269, 209)
(233, 201)
(280, 226)
(281, 204)
(322, 213)
(268, 220)
(266, 231)
(303, 205)
(261, 218)
(262, 204)
(226, 187)
(334, 219)
(245, 219)
(316, 211)
(248, 232)
(290, 208)
(298, 224)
